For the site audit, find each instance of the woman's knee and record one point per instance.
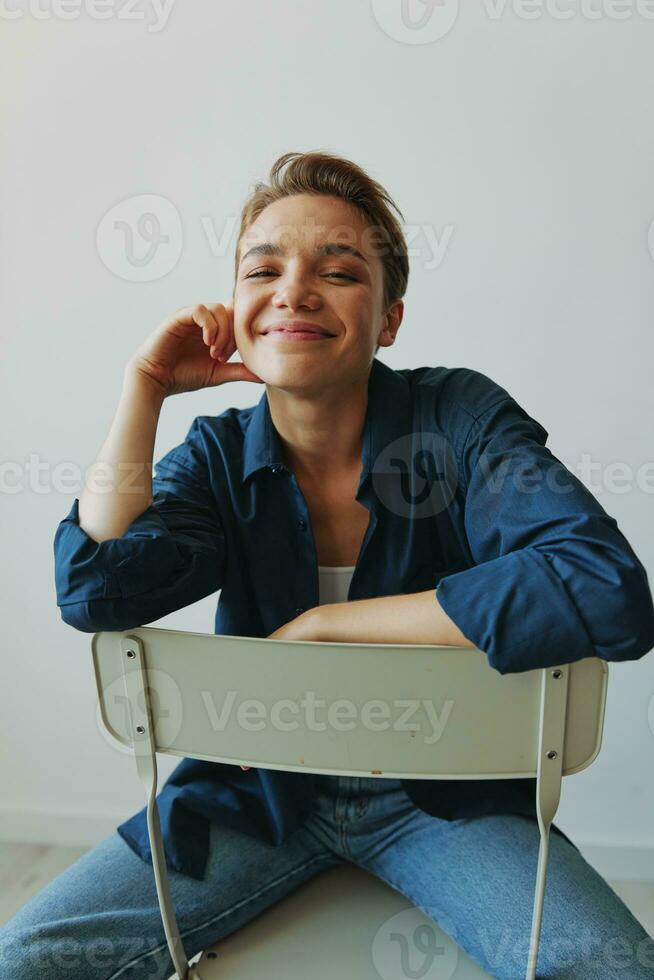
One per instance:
(31, 948)
(51, 950)
(98, 917)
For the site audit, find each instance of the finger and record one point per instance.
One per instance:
(223, 313)
(232, 346)
(227, 351)
(204, 317)
(187, 317)
(192, 317)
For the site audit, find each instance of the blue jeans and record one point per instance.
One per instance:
(474, 876)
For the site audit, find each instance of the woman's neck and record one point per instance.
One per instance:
(320, 439)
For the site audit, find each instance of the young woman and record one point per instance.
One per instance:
(354, 503)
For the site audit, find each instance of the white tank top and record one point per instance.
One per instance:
(334, 582)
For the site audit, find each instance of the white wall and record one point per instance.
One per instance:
(523, 147)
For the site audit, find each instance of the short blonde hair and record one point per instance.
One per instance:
(317, 172)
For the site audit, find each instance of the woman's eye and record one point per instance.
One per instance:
(271, 272)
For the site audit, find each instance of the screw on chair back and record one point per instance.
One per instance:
(411, 711)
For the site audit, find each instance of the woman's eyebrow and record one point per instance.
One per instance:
(328, 248)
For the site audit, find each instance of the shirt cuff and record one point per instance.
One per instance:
(86, 569)
(517, 610)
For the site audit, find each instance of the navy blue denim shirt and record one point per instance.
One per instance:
(463, 497)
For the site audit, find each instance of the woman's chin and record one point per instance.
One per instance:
(284, 371)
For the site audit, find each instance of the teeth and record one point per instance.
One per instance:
(321, 333)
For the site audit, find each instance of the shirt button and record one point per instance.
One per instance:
(302, 524)
(300, 609)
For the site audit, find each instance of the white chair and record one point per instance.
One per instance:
(545, 723)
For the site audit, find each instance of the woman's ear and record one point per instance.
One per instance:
(392, 321)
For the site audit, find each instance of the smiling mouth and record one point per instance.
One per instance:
(297, 335)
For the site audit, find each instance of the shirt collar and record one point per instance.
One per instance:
(387, 418)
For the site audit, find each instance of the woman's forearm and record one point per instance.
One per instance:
(414, 618)
(119, 483)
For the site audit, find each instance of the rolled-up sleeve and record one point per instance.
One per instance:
(170, 556)
(554, 578)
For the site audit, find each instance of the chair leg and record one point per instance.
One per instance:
(175, 945)
(537, 916)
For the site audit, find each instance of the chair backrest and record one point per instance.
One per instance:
(398, 711)
(350, 708)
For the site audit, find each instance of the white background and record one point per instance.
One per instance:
(524, 146)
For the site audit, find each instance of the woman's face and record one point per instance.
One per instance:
(286, 273)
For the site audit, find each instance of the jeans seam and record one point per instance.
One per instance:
(224, 914)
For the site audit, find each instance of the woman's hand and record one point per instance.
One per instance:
(191, 350)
